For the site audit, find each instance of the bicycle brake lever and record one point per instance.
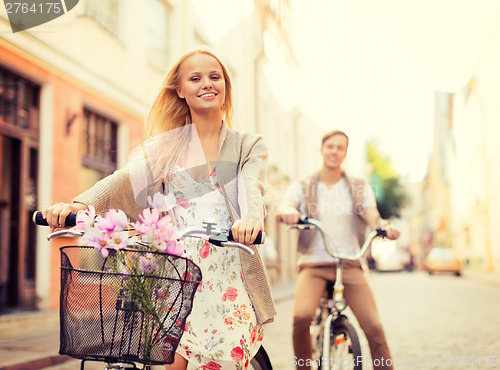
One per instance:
(239, 245)
(299, 227)
(69, 233)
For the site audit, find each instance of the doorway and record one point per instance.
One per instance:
(19, 112)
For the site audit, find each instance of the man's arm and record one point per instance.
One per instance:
(288, 213)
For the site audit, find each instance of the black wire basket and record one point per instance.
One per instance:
(128, 307)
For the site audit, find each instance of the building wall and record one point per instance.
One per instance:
(472, 164)
(79, 64)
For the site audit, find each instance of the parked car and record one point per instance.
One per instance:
(443, 260)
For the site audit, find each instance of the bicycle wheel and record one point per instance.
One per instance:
(345, 350)
(316, 331)
(261, 361)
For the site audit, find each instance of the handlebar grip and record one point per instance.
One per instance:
(260, 239)
(39, 220)
(303, 220)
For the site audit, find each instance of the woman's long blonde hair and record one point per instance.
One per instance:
(170, 112)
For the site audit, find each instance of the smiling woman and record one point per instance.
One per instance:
(213, 172)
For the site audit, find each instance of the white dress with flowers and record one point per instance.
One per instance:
(221, 332)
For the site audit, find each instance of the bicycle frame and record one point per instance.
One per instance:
(337, 303)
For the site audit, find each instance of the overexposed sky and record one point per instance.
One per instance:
(370, 67)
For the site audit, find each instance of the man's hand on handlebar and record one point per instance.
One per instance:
(289, 216)
(391, 232)
(57, 213)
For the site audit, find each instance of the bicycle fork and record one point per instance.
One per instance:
(335, 309)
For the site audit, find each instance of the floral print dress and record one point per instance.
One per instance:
(221, 332)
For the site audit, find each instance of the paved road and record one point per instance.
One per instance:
(432, 322)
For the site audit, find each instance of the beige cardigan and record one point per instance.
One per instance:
(242, 164)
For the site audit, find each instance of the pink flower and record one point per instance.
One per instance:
(113, 220)
(149, 220)
(148, 263)
(162, 293)
(253, 335)
(172, 247)
(85, 219)
(97, 239)
(162, 203)
(183, 202)
(118, 240)
(237, 354)
(231, 294)
(205, 250)
(261, 336)
(211, 366)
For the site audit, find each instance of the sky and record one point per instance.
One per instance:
(371, 67)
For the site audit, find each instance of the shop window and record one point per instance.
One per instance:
(99, 147)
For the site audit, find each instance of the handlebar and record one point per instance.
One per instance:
(306, 222)
(40, 221)
(218, 236)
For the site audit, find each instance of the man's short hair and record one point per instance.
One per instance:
(333, 133)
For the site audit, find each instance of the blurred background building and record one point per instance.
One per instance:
(74, 93)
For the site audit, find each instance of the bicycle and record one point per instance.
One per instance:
(335, 342)
(209, 232)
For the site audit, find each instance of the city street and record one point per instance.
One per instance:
(431, 322)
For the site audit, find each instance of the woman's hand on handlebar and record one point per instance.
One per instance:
(57, 213)
(245, 231)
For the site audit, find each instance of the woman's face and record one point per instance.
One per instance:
(202, 83)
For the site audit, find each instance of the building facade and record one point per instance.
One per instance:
(73, 96)
(465, 169)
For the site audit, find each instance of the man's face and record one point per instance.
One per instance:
(334, 151)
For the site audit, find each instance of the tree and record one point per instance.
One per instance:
(390, 194)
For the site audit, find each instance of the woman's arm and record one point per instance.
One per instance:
(114, 191)
(251, 189)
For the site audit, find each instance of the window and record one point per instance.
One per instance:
(99, 148)
(19, 102)
(156, 33)
(104, 12)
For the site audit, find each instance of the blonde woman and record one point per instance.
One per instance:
(213, 171)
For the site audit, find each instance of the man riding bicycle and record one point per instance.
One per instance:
(345, 206)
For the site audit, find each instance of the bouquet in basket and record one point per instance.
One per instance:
(112, 232)
(144, 286)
